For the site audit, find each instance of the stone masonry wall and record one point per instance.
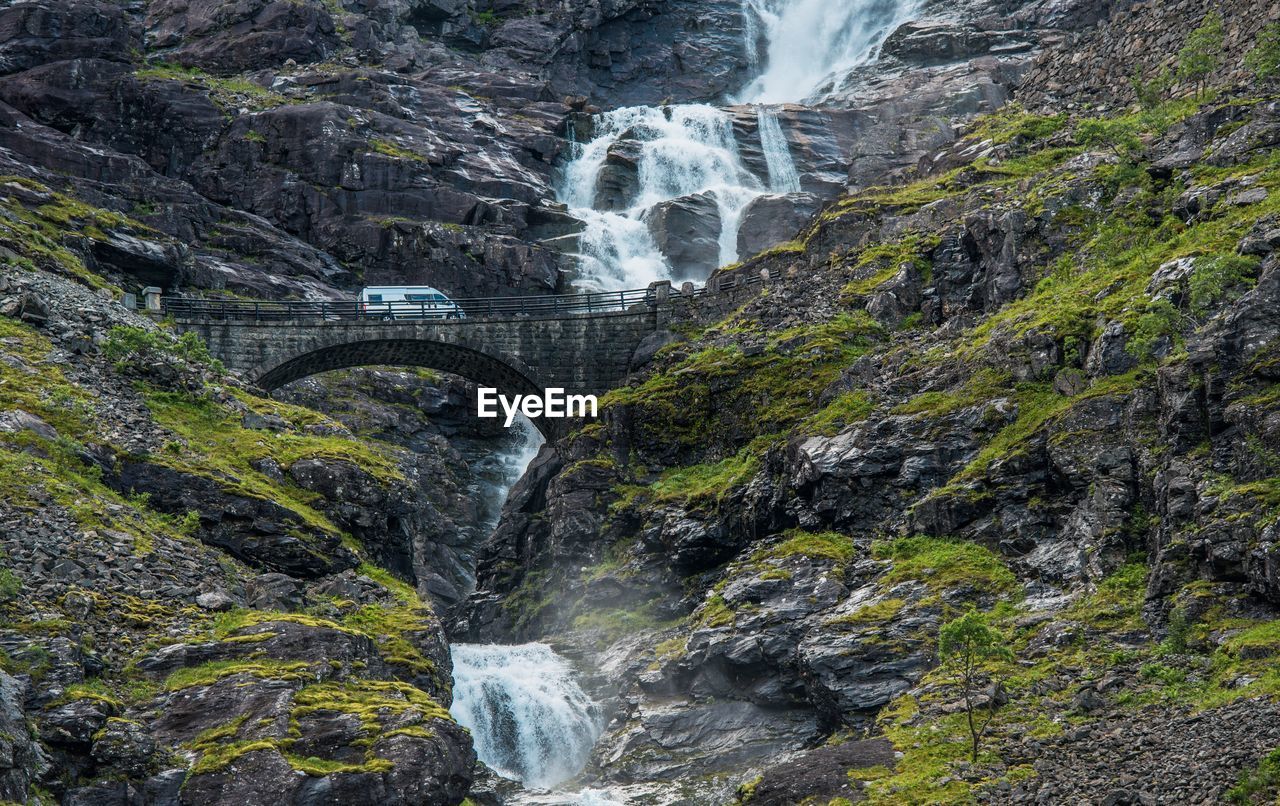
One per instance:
(1094, 67)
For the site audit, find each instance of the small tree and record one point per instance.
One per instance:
(1119, 135)
(968, 645)
(1264, 58)
(1201, 53)
(1151, 94)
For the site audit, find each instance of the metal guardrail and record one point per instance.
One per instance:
(476, 308)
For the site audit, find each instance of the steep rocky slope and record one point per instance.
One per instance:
(1039, 381)
(193, 605)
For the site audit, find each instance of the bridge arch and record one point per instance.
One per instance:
(506, 373)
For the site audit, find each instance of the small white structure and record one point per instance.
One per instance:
(408, 302)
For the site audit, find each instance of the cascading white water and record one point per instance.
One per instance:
(783, 177)
(683, 150)
(499, 472)
(529, 719)
(691, 149)
(812, 41)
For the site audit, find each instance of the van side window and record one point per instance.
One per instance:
(375, 298)
(417, 297)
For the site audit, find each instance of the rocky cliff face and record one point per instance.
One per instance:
(1025, 365)
(1037, 382)
(196, 606)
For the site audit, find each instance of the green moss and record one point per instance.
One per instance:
(706, 484)
(229, 94)
(370, 701)
(213, 444)
(877, 264)
(1258, 785)
(844, 410)
(210, 673)
(831, 546)
(1116, 602)
(390, 149)
(720, 398)
(1013, 122)
(943, 564)
(878, 612)
(715, 612)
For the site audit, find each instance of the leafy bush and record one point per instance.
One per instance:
(1264, 58)
(127, 343)
(1201, 53)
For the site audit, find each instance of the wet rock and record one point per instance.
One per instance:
(772, 220)
(822, 773)
(126, 747)
(22, 761)
(687, 231)
(257, 531)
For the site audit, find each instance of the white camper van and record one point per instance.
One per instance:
(407, 302)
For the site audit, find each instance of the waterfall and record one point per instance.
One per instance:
(783, 177)
(498, 472)
(656, 155)
(641, 158)
(810, 42)
(528, 717)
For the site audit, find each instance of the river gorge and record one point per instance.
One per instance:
(937, 450)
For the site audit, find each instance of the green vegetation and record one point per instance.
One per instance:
(1264, 58)
(831, 546)
(36, 235)
(875, 265)
(210, 673)
(715, 612)
(213, 444)
(228, 93)
(373, 702)
(127, 344)
(844, 410)
(1012, 123)
(1202, 52)
(1259, 785)
(390, 149)
(704, 485)
(944, 564)
(711, 397)
(970, 648)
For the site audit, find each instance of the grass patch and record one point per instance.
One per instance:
(942, 564)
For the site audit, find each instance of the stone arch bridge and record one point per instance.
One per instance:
(583, 343)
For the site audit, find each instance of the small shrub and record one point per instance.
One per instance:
(1259, 784)
(1264, 58)
(1202, 53)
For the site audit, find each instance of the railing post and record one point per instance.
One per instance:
(659, 292)
(151, 297)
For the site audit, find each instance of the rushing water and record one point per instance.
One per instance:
(691, 149)
(529, 718)
(810, 42)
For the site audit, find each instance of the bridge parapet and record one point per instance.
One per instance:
(581, 343)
